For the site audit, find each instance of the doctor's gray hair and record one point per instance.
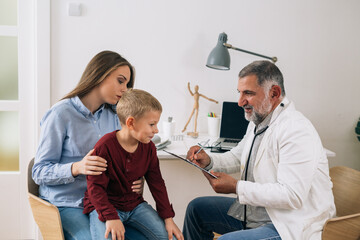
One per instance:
(266, 72)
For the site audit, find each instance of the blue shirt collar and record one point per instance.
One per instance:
(78, 104)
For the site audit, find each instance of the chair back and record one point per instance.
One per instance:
(346, 189)
(46, 215)
(32, 186)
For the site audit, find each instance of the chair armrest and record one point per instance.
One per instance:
(47, 217)
(345, 227)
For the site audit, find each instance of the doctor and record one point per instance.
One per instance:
(284, 189)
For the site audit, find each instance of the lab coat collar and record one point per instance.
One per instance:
(276, 113)
(283, 105)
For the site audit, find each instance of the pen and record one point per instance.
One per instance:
(202, 146)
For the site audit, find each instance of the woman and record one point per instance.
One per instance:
(69, 131)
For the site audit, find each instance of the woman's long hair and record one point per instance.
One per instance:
(100, 66)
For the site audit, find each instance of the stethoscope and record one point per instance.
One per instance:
(247, 162)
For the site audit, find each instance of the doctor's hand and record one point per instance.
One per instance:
(201, 159)
(224, 183)
(89, 165)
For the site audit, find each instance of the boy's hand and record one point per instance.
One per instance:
(138, 186)
(89, 165)
(116, 228)
(172, 229)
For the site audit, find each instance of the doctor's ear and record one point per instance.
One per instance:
(275, 91)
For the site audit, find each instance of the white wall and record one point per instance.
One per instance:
(316, 42)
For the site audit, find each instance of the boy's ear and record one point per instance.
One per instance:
(130, 121)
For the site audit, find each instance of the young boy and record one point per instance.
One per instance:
(130, 154)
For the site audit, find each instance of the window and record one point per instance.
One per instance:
(9, 89)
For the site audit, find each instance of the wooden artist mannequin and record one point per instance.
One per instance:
(195, 109)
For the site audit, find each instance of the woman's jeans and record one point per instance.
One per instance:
(205, 215)
(76, 225)
(143, 218)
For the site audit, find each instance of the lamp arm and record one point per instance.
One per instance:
(274, 59)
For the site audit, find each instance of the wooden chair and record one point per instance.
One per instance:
(46, 215)
(346, 189)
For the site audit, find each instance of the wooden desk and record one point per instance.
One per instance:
(181, 147)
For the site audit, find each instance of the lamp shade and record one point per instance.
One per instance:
(219, 57)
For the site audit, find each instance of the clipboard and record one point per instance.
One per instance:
(188, 161)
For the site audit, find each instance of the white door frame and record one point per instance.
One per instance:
(42, 77)
(42, 56)
(33, 37)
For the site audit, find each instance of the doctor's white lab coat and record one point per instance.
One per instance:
(291, 174)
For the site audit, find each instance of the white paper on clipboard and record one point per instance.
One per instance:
(188, 161)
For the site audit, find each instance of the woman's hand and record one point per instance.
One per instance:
(201, 158)
(172, 229)
(138, 186)
(116, 228)
(89, 165)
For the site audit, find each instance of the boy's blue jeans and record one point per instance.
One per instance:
(205, 215)
(143, 218)
(76, 225)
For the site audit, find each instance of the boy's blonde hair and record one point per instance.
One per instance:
(136, 103)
